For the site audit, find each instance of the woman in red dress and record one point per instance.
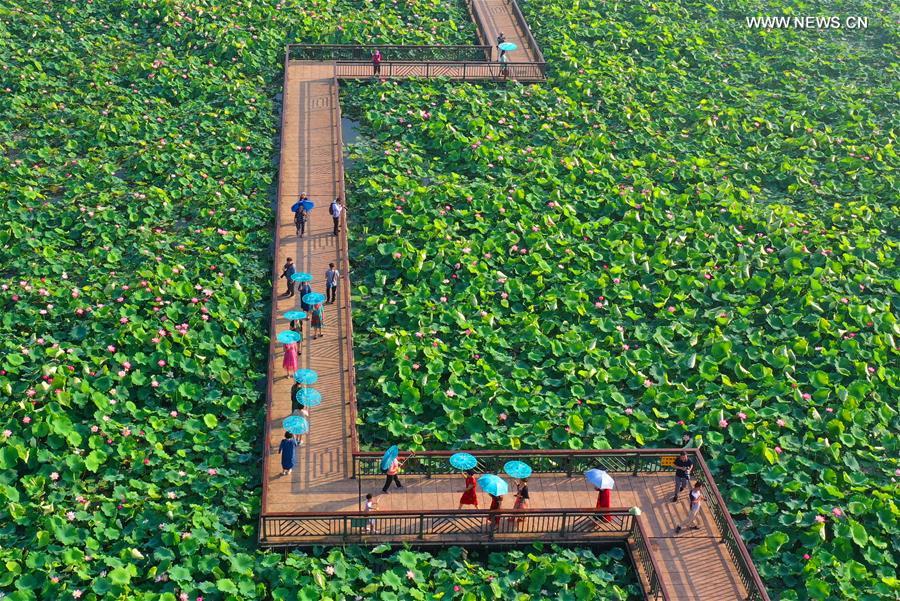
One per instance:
(469, 497)
(604, 499)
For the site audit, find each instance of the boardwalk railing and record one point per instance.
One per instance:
(432, 463)
(731, 538)
(443, 527)
(643, 559)
(452, 70)
(523, 26)
(352, 52)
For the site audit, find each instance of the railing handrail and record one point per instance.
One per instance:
(638, 524)
(266, 449)
(533, 452)
(380, 46)
(520, 18)
(345, 265)
(615, 511)
(738, 541)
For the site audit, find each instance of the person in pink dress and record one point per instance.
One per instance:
(289, 363)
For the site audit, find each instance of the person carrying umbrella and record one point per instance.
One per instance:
(469, 496)
(522, 497)
(603, 484)
(496, 502)
(287, 449)
(289, 363)
(318, 320)
(392, 474)
(300, 218)
(500, 40)
(305, 289)
(288, 271)
(376, 65)
(504, 65)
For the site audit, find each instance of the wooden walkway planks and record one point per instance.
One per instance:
(311, 152)
(692, 565)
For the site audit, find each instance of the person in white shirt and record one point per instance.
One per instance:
(335, 211)
(696, 501)
(371, 506)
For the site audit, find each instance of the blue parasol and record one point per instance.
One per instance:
(508, 46)
(294, 315)
(296, 206)
(309, 397)
(313, 298)
(517, 469)
(308, 205)
(599, 479)
(388, 458)
(289, 336)
(296, 424)
(493, 485)
(463, 461)
(302, 277)
(306, 376)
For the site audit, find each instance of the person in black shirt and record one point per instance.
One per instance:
(683, 467)
(300, 221)
(289, 270)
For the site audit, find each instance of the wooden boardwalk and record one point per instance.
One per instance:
(692, 565)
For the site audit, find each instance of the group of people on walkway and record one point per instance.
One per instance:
(683, 468)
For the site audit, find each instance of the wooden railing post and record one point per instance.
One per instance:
(421, 526)
(562, 530)
(637, 463)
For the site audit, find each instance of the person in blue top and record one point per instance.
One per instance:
(288, 450)
(305, 289)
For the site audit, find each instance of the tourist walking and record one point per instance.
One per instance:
(300, 221)
(318, 321)
(371, 506)
(469, 495)
(504, 65)
(392, 475)
(376, 62)
(683, 467)
(287, 448)
(288, 271)
(331, 282)
(604, 501)
(521, 501)
(335, 211)
(696, 501)
(289, 363)
(496, 502)
(500, 40)
(305, 289)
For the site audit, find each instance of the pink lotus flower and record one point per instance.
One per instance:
(502, 417)
(781, 423)
(161, 363)
(26, 420)
(212, 471)
(7, 433)
(54, 476)
(154, 384)
(820, 519)
(629, 411)
(410, 575)
(70, 515)
(806, 556)
(329, 570)
(76, 594)
(397, 255)
(723, 423)
(111, 348)
(778, 450)
(75, 293)
(806, 396)
(837, 512)
(741, 415)
(173, 413)
(443, 299)
(456, 588)
(616, 280)
(416, 366)
(648, 383)
(449, 392)
(671, 309)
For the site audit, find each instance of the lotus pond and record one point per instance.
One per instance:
(725, 195)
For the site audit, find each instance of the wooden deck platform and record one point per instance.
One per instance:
(318, 503)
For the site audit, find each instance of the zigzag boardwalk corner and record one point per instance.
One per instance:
(320, 502)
